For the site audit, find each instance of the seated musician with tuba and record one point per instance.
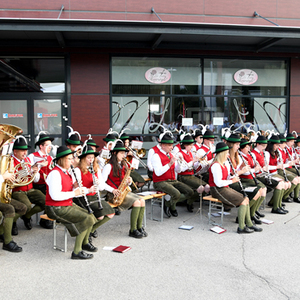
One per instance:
(26, 194)
(62, 188)
(117, 175)
(186, 175)
(85, 172)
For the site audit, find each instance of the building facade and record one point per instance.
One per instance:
(96, 65)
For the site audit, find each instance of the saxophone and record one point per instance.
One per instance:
(22, 171)
(124, 190)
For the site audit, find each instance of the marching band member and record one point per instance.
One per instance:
(274, 182)
(27, 194)
(287, 165)
(83, 173)
(186, 170)
(59, 205)
(10, 211)
(240, 168)
(74, 143)
(247, 179)
(116, 175)
(292, 158)
(136, 177)
(206, 151)
(151, 152)
(105, 151)
(198, 137)
(92, 143)
(164, 166)
(220, 180)
(274, 164)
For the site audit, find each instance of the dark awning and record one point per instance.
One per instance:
(147, 35)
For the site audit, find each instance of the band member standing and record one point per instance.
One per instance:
(186, 170)
(59, 204)
(10, 211)
(164, 165)
(27, 194)
(83, 173)
(219, 181)
(116, 174)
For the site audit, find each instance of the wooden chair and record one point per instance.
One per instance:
(214, 204)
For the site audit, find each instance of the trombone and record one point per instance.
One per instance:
(138, 154)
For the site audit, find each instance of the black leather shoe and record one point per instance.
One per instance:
(1, 238)
(256, 221)
(117, 212)
(27, 222)
(89, 247)
(81, 255)
(227, 209)
(297, 200)
(167, 210)
(283, 209)
(287, 200)
(260, 214)
(282, 204)
(136, 234)
(14, 229)
(278, 211)
(245, 230)
(46, 224)
(237, 220)
(143, 232)
(94, 234)
(255, 228)
(174, 212)
(270, 204)
(190, 207)
(12, 247)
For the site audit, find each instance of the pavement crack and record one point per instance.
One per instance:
(263, 279)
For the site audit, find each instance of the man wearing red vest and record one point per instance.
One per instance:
(164, 165)
(26, 194)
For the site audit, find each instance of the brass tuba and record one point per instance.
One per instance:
(22, 171)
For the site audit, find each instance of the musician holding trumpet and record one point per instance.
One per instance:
(62, 188)
(117, 176)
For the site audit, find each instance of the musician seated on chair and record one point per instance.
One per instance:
(75, 144)
(27, 194)
(151, 152)
(117, 175)
(136, 177)
(10, 212)
(186, 163)
(164, 166)
(61, 189)
(84, 173)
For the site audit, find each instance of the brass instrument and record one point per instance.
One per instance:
(204, 164)
(182, 162)
(22, 171)
(123, 188)
(138, 154)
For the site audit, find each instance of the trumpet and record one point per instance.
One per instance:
(204, 164)
(183, 164)
(138, 154)
(78, 151)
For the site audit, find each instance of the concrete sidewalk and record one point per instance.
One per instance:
(169, 264)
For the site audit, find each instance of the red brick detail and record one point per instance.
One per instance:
(294, 113)
(89, 73)
(295, 77)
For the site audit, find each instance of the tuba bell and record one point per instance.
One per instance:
(22, 171)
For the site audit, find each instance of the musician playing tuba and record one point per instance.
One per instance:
(14, 209)
(88, 158)
(117, 175)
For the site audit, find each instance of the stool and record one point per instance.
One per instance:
(214, 204)
(157, 199)
(147, 182)
(45, 217)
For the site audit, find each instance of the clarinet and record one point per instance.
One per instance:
(296, 167)
(92, 171)
(90, 211)
(246, 164)
(281, 162)
(267, 165)
(235, 173)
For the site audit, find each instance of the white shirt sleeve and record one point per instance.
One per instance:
(105, 173)
(102, 184)
(55, 188)
(217, 176)
(158, 168)
(149, 158)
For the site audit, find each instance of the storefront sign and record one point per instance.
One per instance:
(41, 115)
(6, 116)
(245, 77)
(158, 75)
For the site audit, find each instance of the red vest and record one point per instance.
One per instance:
(115, 181)
(170, 174)
(25, 188)
(259, 157)
(273, 162)
(288, 153)
(67, 186)
(196, 146)
(156, 149)
(209, 156)
(87, 181)
(224, 174)
(188, 158)
(250, 162)
(44, 170)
